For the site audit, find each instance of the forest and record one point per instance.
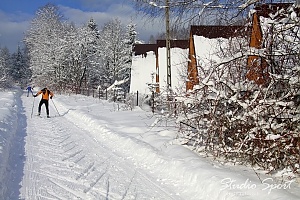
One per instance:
(59, 55)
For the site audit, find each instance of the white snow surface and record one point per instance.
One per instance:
(207, 51)
(179, 58)
(94, 149)
(143, 70)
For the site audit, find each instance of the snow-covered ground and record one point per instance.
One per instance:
(93, 149)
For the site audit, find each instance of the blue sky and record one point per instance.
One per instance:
(15, 16)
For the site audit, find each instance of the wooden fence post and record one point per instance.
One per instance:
(137, 98)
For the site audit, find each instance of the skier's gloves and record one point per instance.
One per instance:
(35, 95)
(51, 97)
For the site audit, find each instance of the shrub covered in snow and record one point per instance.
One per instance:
(231, 117)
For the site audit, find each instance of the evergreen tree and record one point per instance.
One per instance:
(93, 56)
(5, 79)
(19, 70)
(129, 42)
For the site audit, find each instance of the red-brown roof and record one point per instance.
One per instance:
(217, 31)
(183, 44)
(142, 49)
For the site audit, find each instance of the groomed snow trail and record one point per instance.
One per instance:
(65, 161)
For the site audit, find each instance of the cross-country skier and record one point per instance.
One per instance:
(29, 89)
(45, 100)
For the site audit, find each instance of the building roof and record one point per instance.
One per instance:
(183, 44)
(142, 49)
(217, 31)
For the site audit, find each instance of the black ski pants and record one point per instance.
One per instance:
(46, 102)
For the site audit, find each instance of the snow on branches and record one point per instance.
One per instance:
(66, 57)
(231, 117)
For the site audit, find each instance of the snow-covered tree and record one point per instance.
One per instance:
(130, 39)
(5, 64)
(19, 70)
(43, 40)
(67, 57)
(93, 50)
(116, 53)
(201, 12)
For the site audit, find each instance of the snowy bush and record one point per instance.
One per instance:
(231, 117)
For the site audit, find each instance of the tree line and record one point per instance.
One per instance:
(65, 57)
(14, 67)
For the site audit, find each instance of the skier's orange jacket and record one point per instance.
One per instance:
(45, 94)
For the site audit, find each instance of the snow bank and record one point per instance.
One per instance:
(151, 149)
(195, 177)
(8, 130)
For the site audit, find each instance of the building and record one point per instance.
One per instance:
(204, 43)
(258, 67)
(149, 66)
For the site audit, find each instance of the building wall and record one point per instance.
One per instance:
(192, 71)
(141, 70)
(149, 60)
(256, 65)
(178, 69)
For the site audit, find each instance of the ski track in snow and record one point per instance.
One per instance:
(91, 152)
(61, 163)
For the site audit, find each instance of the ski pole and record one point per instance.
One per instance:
(55, 107)
(32, 107)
